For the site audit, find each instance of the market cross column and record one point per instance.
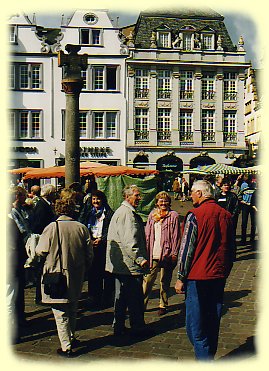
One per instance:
(72, 65)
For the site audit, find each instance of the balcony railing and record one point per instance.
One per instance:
(208, 94)
(186, 136)
(141, 93)
(230, 137)
(208, 136)
(186, 94)
(141, 135)
(230, 95)
(164, 94)
(164, 135)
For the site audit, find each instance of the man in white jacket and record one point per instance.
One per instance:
(127, 259)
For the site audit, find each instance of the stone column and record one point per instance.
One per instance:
(72, 65)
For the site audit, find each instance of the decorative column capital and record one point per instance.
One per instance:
(198, 75)
(131, 71)
(241, 76)
(219, 76)
(176, 75)
(153, 74)
(72, 86)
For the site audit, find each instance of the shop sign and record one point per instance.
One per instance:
(24, 149)
(94, 151)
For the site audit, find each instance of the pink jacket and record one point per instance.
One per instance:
(170, 236)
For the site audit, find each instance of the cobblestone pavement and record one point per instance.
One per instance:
(169, 342)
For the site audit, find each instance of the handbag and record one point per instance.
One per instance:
(55, 284)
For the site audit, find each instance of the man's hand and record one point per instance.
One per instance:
(144, 264)
(179, 287)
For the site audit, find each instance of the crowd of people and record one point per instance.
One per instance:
(77, 234)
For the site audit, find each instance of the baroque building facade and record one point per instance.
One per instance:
(185, 84)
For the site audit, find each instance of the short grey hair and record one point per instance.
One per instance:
(47, 189)
(129, 190)
(204, 186)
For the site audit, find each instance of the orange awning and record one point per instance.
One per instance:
(59, 172)
(21, 170)
(119, 170)
(90, 164)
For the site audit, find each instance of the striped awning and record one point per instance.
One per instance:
(223, 169)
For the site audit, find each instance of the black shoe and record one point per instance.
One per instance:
(120, 332)
(143, 332)
(15, 340)
(162, 311)
(23, 323)
(66, 354)
(75, 343)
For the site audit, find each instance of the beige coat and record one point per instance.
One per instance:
(77, 255)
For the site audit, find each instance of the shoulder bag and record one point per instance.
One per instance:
(55, 284)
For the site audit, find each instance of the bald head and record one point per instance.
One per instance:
(35, 190)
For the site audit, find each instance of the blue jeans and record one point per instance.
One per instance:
(129, 294)
(204, 301)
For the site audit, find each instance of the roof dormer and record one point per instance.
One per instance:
(163, 34)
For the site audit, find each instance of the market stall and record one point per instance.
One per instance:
(111, 180)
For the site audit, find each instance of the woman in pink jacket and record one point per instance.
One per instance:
(163, 240)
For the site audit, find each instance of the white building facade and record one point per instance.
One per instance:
(37, 101)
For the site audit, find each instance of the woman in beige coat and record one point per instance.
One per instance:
(77, 255)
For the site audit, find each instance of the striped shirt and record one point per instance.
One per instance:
(187, 246)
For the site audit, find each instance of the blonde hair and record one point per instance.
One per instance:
(67, 193)
(164, 195)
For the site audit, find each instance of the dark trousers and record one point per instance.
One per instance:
(129, 294)
(203, 313)
(20, 299)
(38, 277)
(101, 286)
(246, 211)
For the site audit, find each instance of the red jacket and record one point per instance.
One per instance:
(214, 253)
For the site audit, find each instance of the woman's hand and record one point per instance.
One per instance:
(96, 242)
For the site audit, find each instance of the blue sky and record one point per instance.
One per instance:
(237, 24)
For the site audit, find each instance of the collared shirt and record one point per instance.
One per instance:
(187, 246)
(97, 228)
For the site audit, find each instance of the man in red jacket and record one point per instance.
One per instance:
(205, 260)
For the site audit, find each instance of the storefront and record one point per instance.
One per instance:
(169, 166)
